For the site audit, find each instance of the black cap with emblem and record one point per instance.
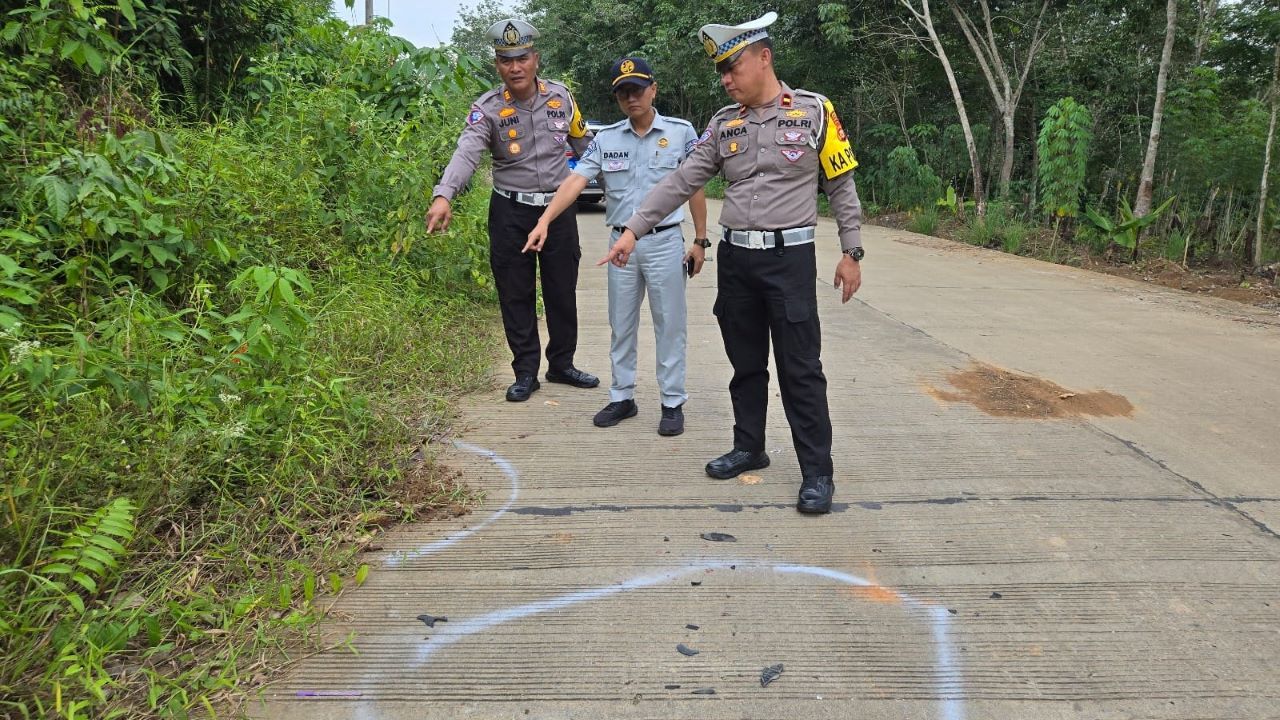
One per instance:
(631, 71)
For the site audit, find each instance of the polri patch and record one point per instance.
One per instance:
(791, 154)
(475, 116)
(705, 137)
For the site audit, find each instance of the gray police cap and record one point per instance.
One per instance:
(512, 37)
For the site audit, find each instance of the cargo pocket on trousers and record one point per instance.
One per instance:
(803, 333)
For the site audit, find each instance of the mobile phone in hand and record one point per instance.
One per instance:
(688, 266)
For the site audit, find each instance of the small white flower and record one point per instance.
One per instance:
(23, 350)
(235, 431)
(228, 398)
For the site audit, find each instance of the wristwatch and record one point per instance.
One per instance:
(856, 253)
(702, 242)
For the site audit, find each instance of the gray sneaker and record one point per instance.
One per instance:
(672, 422)
(615, 412)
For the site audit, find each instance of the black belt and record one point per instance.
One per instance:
(655, 231)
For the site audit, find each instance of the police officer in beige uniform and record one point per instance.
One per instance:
(525, 124)
(776, 147)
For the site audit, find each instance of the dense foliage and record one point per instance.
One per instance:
(873, 60)
(221, 331)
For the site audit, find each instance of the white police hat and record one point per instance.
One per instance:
(512, 37)
(724, 42)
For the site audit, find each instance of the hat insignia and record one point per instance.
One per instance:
(627, 67)
(709, 45)
(510, 34)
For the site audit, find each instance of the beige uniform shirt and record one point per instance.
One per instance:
(775, 158)
(527, 140)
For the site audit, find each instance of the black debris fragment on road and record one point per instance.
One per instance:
(431, 620)
(705, 691)
(718, 537)
(995, 596)
(770, 674)
(686, 650)
(690, 627)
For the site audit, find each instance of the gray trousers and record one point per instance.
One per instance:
(656, 267)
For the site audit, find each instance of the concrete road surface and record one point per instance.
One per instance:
(976, 567)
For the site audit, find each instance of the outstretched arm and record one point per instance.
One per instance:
(566, 195)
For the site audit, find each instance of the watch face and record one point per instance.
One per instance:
(855, 253)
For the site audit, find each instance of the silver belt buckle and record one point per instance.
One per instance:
(755, 239)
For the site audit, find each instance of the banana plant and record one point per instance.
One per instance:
(1125, 231)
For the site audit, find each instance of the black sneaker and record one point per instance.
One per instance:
(672, 422)
(615, 412)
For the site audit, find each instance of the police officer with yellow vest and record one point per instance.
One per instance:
(776, 147)
(525, 124)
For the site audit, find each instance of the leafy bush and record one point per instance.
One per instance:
(1063, 146)
(215, 339)
(908, 183)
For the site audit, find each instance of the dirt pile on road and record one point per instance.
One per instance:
(1002, 393)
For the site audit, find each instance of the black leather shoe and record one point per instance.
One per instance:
(573, 376)
(672, 422)
(615, 412)
(815, 495)
(522, 388)
(735, 462)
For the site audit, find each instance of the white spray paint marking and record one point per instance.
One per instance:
(947, 676)
(507, 469)
(458, 631)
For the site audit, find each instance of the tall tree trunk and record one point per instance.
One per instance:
(1207, 9)
(1005, 92)
(924, 17)
(1142, 207)
(1266, 162)
(368, 12)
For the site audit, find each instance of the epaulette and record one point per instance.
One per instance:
(735, 108)
(680, 121)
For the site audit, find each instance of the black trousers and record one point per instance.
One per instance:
(767, 294)
(515, 275)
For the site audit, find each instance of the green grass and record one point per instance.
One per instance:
(227, 342)
(923, 220)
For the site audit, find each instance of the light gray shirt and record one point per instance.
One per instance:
(631, 164)
(528, 140)
(775, 159)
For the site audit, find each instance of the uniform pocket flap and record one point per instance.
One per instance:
(800, 309)
(792, 137)
(734, 146)
(664, 160)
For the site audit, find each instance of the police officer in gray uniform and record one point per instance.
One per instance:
(776, 147)
(633, 155)
(525, 124)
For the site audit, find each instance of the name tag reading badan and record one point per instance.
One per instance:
(837, 154)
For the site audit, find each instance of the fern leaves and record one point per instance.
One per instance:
(91, 551)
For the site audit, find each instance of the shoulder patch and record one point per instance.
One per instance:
(837, 155)
(577, 126)
(591, 149)
(475, 116)
(703, 138)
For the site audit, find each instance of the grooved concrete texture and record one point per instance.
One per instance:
(976, 567)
